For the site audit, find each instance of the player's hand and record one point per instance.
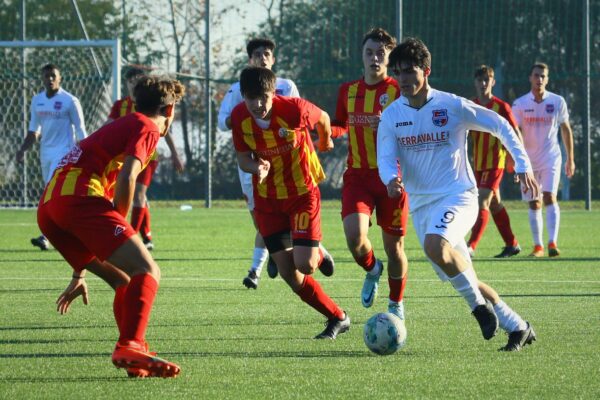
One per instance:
(374, 120)
(76, 288)
(395, 187)
(529, 184)
(177, 164)
(325, 144)
(19, 155)
(569, 168)
(263, 169)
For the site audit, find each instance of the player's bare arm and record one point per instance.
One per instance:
(174, 155)
(30, 139)
(258, 167)
(125, 185)
(567, 137)
(324, 130)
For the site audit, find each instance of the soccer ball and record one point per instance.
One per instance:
(384, 333)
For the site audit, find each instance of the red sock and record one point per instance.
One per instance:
(138, 301)
(397, 288)
(503, 224)
(118, 306)
(477, 231)
(145, 226)
(137, 216)
(312, 294)
(366, 261)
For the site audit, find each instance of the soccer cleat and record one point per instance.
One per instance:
(251, 281)
(41, 242)
(519, 339)
(488, 321)
(334, 327)
(538, 251)
(133, 355)
(553, 251)
(370, 286)
(272, 268)
(509, 251)
(148, 243)
(327, 266)
(138, 372)
(396, 308)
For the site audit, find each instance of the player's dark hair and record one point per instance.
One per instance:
(380, 35)
(133, 72)
(412, 51)
(484, 71)
(259, 42)
(49, 67)
(256, 82)
(539, 65)
(153, 93)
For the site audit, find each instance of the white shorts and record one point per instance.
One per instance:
(548, 179)
(49, 160)
(451, 217)
(247, 190)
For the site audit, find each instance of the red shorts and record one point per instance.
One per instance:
(489, 178)
(83, 228)
(364, 192)
(300, 215)
(145, 177)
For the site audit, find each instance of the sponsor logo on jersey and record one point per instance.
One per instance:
(279, 92)
(275, 151)
(58, 105)
(119, 229)
(403, 123)
(440, 117)
(529, 110)
(550, 108)
(358, 119)
(283, 133)
(383, 99)
(425, 138)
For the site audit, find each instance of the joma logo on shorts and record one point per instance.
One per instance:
(119, 229)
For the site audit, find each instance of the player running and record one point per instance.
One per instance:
(359, 107)
(83, 213)
(489, 160)
(425, 130)
(260, 54)
(540, 113)
(271, 138)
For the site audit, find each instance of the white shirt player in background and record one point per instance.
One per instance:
(425, 130)
(260, 54)
(57, 117)
(539, 114)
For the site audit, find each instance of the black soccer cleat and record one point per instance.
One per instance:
(251, 281)
(272, 268)
(327, 266)
(41, 242)
(519, 339)
(488, 321)
(509, 251)
(334, 327)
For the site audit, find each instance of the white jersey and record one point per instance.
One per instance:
(431, 145)
(283, 87)
(59, 119)
(540, 123)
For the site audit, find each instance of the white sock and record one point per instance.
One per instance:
(376, 270)
(258, 259)
(553, 222)
(537, 224)
(509, 320)
(467, 285)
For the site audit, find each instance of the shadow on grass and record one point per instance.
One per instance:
(66, 379)
(539, 259)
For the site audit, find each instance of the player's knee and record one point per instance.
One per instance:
(357, 243)
(434, 249)
(535, 205)
(548, 198)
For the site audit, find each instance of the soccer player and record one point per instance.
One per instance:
(540, 113)
(489, 159)
(57, 117)
(83, 214)
(140, 213)
(260, 54)
(272, 142)
(359, 107)
(425, 130)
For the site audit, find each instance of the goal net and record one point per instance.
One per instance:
(90, 71)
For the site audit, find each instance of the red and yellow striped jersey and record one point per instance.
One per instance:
(488, 151)
(122, 108)
(358, 101)
(91, 167)
(286, 144)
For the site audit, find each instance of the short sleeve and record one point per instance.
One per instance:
(563, 112)
(310, 113)
(142, 144)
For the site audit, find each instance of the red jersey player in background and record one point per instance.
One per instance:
(83, 213)
(359, 107)
(140, 213)
(489, 161)
(272, 141)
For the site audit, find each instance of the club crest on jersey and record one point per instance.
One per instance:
(57, 105)
(549, 108)
(440, 117)
(119, 229)
(284, 133)
(383, 99)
